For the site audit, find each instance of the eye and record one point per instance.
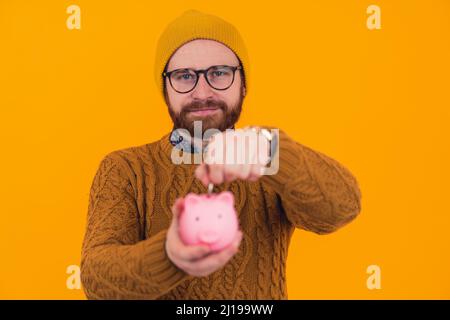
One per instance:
(197, 218)
(219, 216)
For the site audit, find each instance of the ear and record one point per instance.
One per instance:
(191, 199)
(244, 91)
(226, 196)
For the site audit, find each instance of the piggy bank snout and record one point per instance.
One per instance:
(208, 236)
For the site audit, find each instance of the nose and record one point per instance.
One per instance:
(202, 90)
(208, 236)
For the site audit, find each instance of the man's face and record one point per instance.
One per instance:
(218, 109)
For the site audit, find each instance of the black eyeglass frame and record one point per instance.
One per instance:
(197, 74)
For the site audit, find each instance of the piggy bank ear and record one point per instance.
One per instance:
(191, 199)
(226, 197)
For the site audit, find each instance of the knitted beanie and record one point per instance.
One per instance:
(191, 25)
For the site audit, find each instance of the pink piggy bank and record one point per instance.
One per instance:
(209, 219)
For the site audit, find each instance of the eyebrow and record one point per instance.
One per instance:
(190, 68)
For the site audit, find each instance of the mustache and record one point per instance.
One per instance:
(205, 104)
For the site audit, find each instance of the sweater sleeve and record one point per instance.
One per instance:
(317, 193)
(116, 263)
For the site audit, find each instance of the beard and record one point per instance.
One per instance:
(223, 118)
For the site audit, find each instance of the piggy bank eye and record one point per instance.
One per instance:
(219, 216)
(197, 218)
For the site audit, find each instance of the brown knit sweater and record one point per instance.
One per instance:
(123, 255)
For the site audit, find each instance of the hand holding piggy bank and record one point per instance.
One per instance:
(209, 219)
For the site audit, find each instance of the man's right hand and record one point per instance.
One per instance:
(196, 260)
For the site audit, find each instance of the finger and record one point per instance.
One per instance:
(186, 266)
(201, 173)
(193, 254)
(230, 173)
(255, 172)
(192, 270)
(216, 260)
(188, 252)
(238, 239)
(216, 173)
(244, 171)
(213, 262)
(206, 180)
(253, 178)
(180, 250)
(178, 208)
(234, 246)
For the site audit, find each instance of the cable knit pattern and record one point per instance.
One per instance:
(123, 254)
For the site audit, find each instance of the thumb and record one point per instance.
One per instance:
(177, 209)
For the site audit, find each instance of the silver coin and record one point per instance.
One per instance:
(210, 188)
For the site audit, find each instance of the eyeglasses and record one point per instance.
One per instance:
(218, 77)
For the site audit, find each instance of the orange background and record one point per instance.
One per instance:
(375, 100)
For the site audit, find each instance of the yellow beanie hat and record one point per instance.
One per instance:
(191, 25)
